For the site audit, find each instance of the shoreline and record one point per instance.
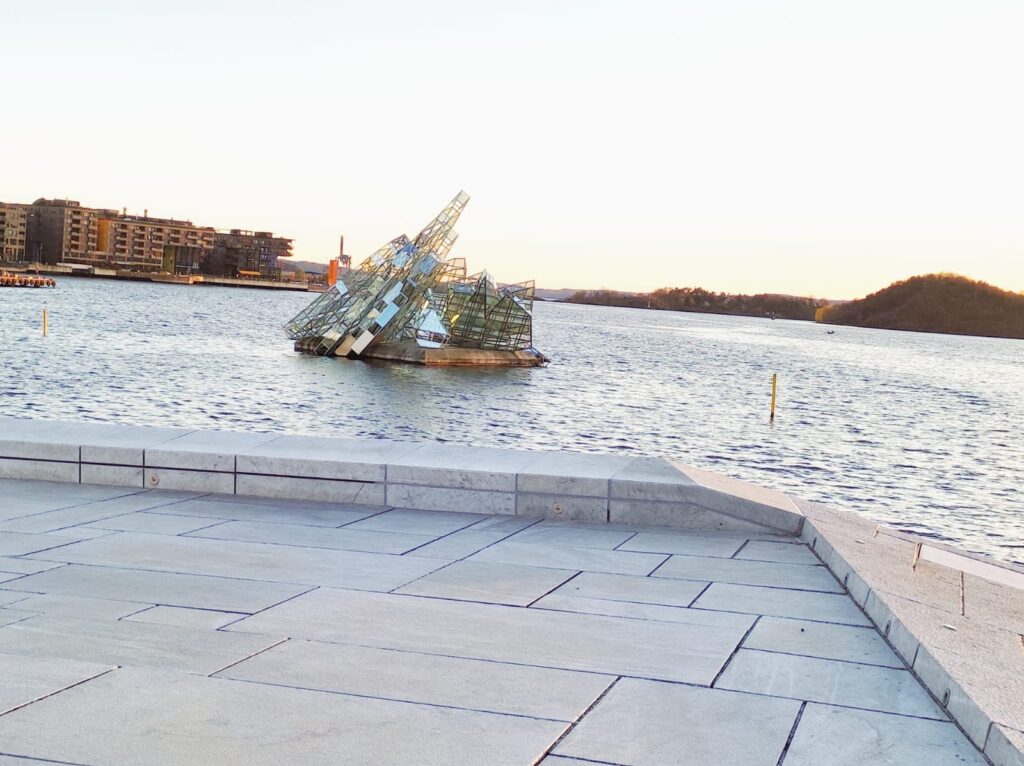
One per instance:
(92, 272)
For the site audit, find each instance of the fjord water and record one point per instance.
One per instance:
(919, 431)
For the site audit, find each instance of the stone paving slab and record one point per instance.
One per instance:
(246, 509)
(844, 737)
(839, 683)
(651, 724)
(153, 523)
(678, 652)
(344, 539)
(185, 617)
(123, 642)
(488, 583)
(564, 557)
(762, 573)
(816, 639)
(78, 607)
(413, 677)
(690, 545)
(147, 587)
(227, 558)
(779, 602)
(26, 679)
(135, 716)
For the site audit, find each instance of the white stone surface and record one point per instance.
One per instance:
(763, 573)
(777, 602)
(837, 683)
(112, 475)
(434, 523)
(437, 465)
(186, 618)
(843, 737)
(1005, 746)
(818, 639)
(193, 481)
(153, 523)
(566, 473)
(328, 490)
(644, 723)
(488, 583)
(641, 590)
(679, 515)
(256, 561)
(21, 544)
(688, 653)
(689, 545)
(574, 535)
(471, 684)
(561, 603)
(781, 552)
(322, 458)
(26, 679)
(278, 511)
(314, 537)
(121, 642)
(146, 587)
(562, 507)
(584, 559)
(38, 469)
(448, 499)
(134, 716)
(205, 450)
(78, 607)
(459, 545)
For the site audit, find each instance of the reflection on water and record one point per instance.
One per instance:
(921, 431)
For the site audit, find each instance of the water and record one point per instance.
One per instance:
(920, 431)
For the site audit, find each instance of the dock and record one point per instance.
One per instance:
(173, 596)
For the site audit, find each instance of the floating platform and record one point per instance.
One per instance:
(25, 280)
(451, 356)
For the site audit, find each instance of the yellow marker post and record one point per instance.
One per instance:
(44, 321)
(775, 386)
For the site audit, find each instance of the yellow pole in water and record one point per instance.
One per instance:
(44, 321)
(775, 386)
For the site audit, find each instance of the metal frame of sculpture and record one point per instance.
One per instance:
(411, 291)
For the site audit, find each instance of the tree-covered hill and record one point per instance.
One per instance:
(944, 303)
(703, 301)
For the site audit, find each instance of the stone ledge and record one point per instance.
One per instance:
(442, 477)
(961, 635)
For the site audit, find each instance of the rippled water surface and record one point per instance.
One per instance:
(921, 431)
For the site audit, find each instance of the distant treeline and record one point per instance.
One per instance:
(704, 301)
(946, 303)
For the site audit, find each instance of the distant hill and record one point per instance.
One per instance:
(943, 303)
(310, 267)
(699, 300)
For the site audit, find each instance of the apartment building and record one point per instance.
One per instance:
(13, 226)
(141, 243)
(247, 254)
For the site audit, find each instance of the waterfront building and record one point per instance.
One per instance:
(13, 224)
(240, 253)
(61, 231)
(142, 243)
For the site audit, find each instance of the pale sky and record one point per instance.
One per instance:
(812, 147)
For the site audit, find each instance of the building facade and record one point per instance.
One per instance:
(61, 231)
(253, 254)
(141, 243)
(13, 230)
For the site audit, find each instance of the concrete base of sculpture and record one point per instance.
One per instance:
(450, 356)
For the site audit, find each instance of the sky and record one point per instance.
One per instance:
(812, 147)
